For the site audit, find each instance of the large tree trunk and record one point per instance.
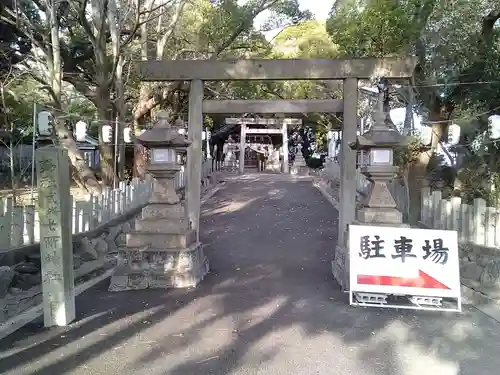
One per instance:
(146, 103)
(87, 177)
(64, 136)
(121, 114)
(106, 150)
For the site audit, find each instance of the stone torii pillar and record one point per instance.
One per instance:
(242, 146)
(347, 209)
(194, 154)
(284, 134)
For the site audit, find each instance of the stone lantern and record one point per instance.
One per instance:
(379, 142)
(162, 251)
(379, 207)
(168, 150)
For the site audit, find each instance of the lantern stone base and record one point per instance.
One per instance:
(340, 263)
(162, 252)
(378, 216)
(155, 268)
(340, 266)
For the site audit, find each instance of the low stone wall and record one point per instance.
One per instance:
(480, 269)
(93, 252)
(479, 266)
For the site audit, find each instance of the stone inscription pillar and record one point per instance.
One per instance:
(56, 246)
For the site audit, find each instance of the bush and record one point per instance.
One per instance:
(315, 163)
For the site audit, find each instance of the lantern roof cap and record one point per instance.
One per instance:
(163, 135)
(379, 137)
(382, 133)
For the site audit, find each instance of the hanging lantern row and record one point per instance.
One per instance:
(205, 135)
(107, 134)
(45, 123)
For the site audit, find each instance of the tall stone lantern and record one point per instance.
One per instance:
(162, 251)
(379, 142)
(379, 207)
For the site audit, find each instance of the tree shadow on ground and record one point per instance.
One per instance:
(268, 305)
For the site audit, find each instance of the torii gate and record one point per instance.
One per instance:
(348, 70)
(244, 131)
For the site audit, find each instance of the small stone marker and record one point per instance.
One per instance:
(299, 166)
(56, 246)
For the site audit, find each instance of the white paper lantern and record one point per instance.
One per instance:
(494, 126)
(81, 131)
(107, 133)
(426, 135)
(44, 123)
(127, 135)
(454, 134)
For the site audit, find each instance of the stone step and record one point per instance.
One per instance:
(161, 240)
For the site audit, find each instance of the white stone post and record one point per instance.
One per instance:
(56, 246)
(242, 146)
(361, 131)
(284, 134)
(194, 154)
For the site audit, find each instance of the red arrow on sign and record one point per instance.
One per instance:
(422, 281)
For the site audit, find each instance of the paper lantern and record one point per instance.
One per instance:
(44, 123)
(127, 135)
(81, 131)
(107, 133)
(426, 135)
(454, 134)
